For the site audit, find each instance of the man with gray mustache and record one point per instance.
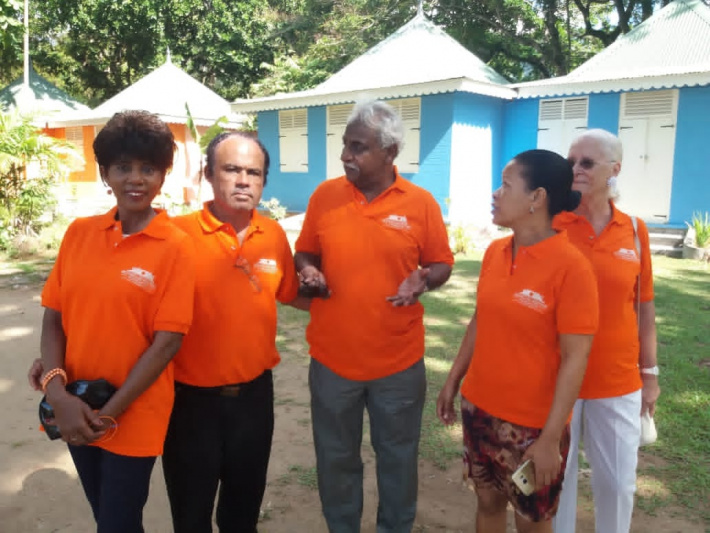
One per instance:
(372, 242)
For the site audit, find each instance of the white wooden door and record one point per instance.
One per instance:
(336, 120)
(647, 127)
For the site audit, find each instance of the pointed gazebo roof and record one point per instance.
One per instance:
(419, 58)
(41, 97)
(670, 49)
(164, 92)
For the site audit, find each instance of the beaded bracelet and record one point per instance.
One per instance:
(50, 375)
(110, 431)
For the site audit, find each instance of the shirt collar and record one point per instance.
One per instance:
(540, 249)
(159, 226)
(566, 218)
(399, 184)
(211, 223)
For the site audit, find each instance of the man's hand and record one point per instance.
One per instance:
(411, 288)
(34, 374)
(313, 283)
(649, 393)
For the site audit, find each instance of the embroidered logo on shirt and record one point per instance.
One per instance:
(396, 222)
(140, 278)
(531, 299)
(268, 266)
(626, 254)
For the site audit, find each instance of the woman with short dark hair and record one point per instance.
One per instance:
(117, 304)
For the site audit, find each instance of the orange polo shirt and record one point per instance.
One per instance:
(367, 250)
(114, 293)
(233, 334)
(613, 362)
(523, 307)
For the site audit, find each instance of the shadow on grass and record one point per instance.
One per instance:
(681, 473)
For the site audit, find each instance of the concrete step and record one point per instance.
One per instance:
(666, 240)
(670, 251)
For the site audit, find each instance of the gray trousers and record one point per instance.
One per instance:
(395, 405)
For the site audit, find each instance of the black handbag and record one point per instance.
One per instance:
(95, 393)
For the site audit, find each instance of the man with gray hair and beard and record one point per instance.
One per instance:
(372, 242)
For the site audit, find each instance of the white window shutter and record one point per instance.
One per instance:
(75, 136)
(560, 120)
(648, 104)
(410, 111)
(293, 140)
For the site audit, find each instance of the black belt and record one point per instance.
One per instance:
(233, 389)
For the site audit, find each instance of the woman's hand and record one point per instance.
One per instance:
(445, 403)
(649, 393)
(545, 455)
(34, 374)
(76, 421)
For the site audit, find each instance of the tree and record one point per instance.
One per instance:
(96, 48)
(30, 163)
(319, 37)
(11, 32)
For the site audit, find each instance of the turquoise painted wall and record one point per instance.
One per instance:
(293, 189)
(604, 111)
(691, 173)
(514, 128)
(519, 131)
(483, 112)
(435, 147)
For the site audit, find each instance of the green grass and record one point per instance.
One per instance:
(680, 470)
(683, 412)
(302, 475)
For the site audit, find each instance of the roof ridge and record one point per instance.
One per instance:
(675, 8)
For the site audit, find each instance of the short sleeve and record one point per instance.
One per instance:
(578, 299)
(647, 292)
(288, 287)
(52, 291)
(175, 308)
(436, 247)
(308, 238)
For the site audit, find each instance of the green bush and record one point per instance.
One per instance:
(701, 227)
(274, 207)
(461, 241)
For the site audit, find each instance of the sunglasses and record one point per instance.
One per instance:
(243, 265)
(586, 163)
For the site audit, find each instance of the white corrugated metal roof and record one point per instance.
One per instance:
(673, 42)
(417, 59)
(41, 97)
(418, 52)
(164, 92)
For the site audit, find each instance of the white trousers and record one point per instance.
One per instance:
(611, 429)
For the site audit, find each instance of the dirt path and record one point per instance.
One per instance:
(39, 491)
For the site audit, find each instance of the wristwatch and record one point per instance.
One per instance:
(653, 370)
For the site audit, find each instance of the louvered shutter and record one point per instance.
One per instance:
(293, 140)
(560, 120)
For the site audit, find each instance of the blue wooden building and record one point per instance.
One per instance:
(464, 121)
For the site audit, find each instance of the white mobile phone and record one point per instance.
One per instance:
(524, 478)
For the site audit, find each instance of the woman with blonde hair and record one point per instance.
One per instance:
(621, 382)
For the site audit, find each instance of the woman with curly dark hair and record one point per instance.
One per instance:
(117, 304)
